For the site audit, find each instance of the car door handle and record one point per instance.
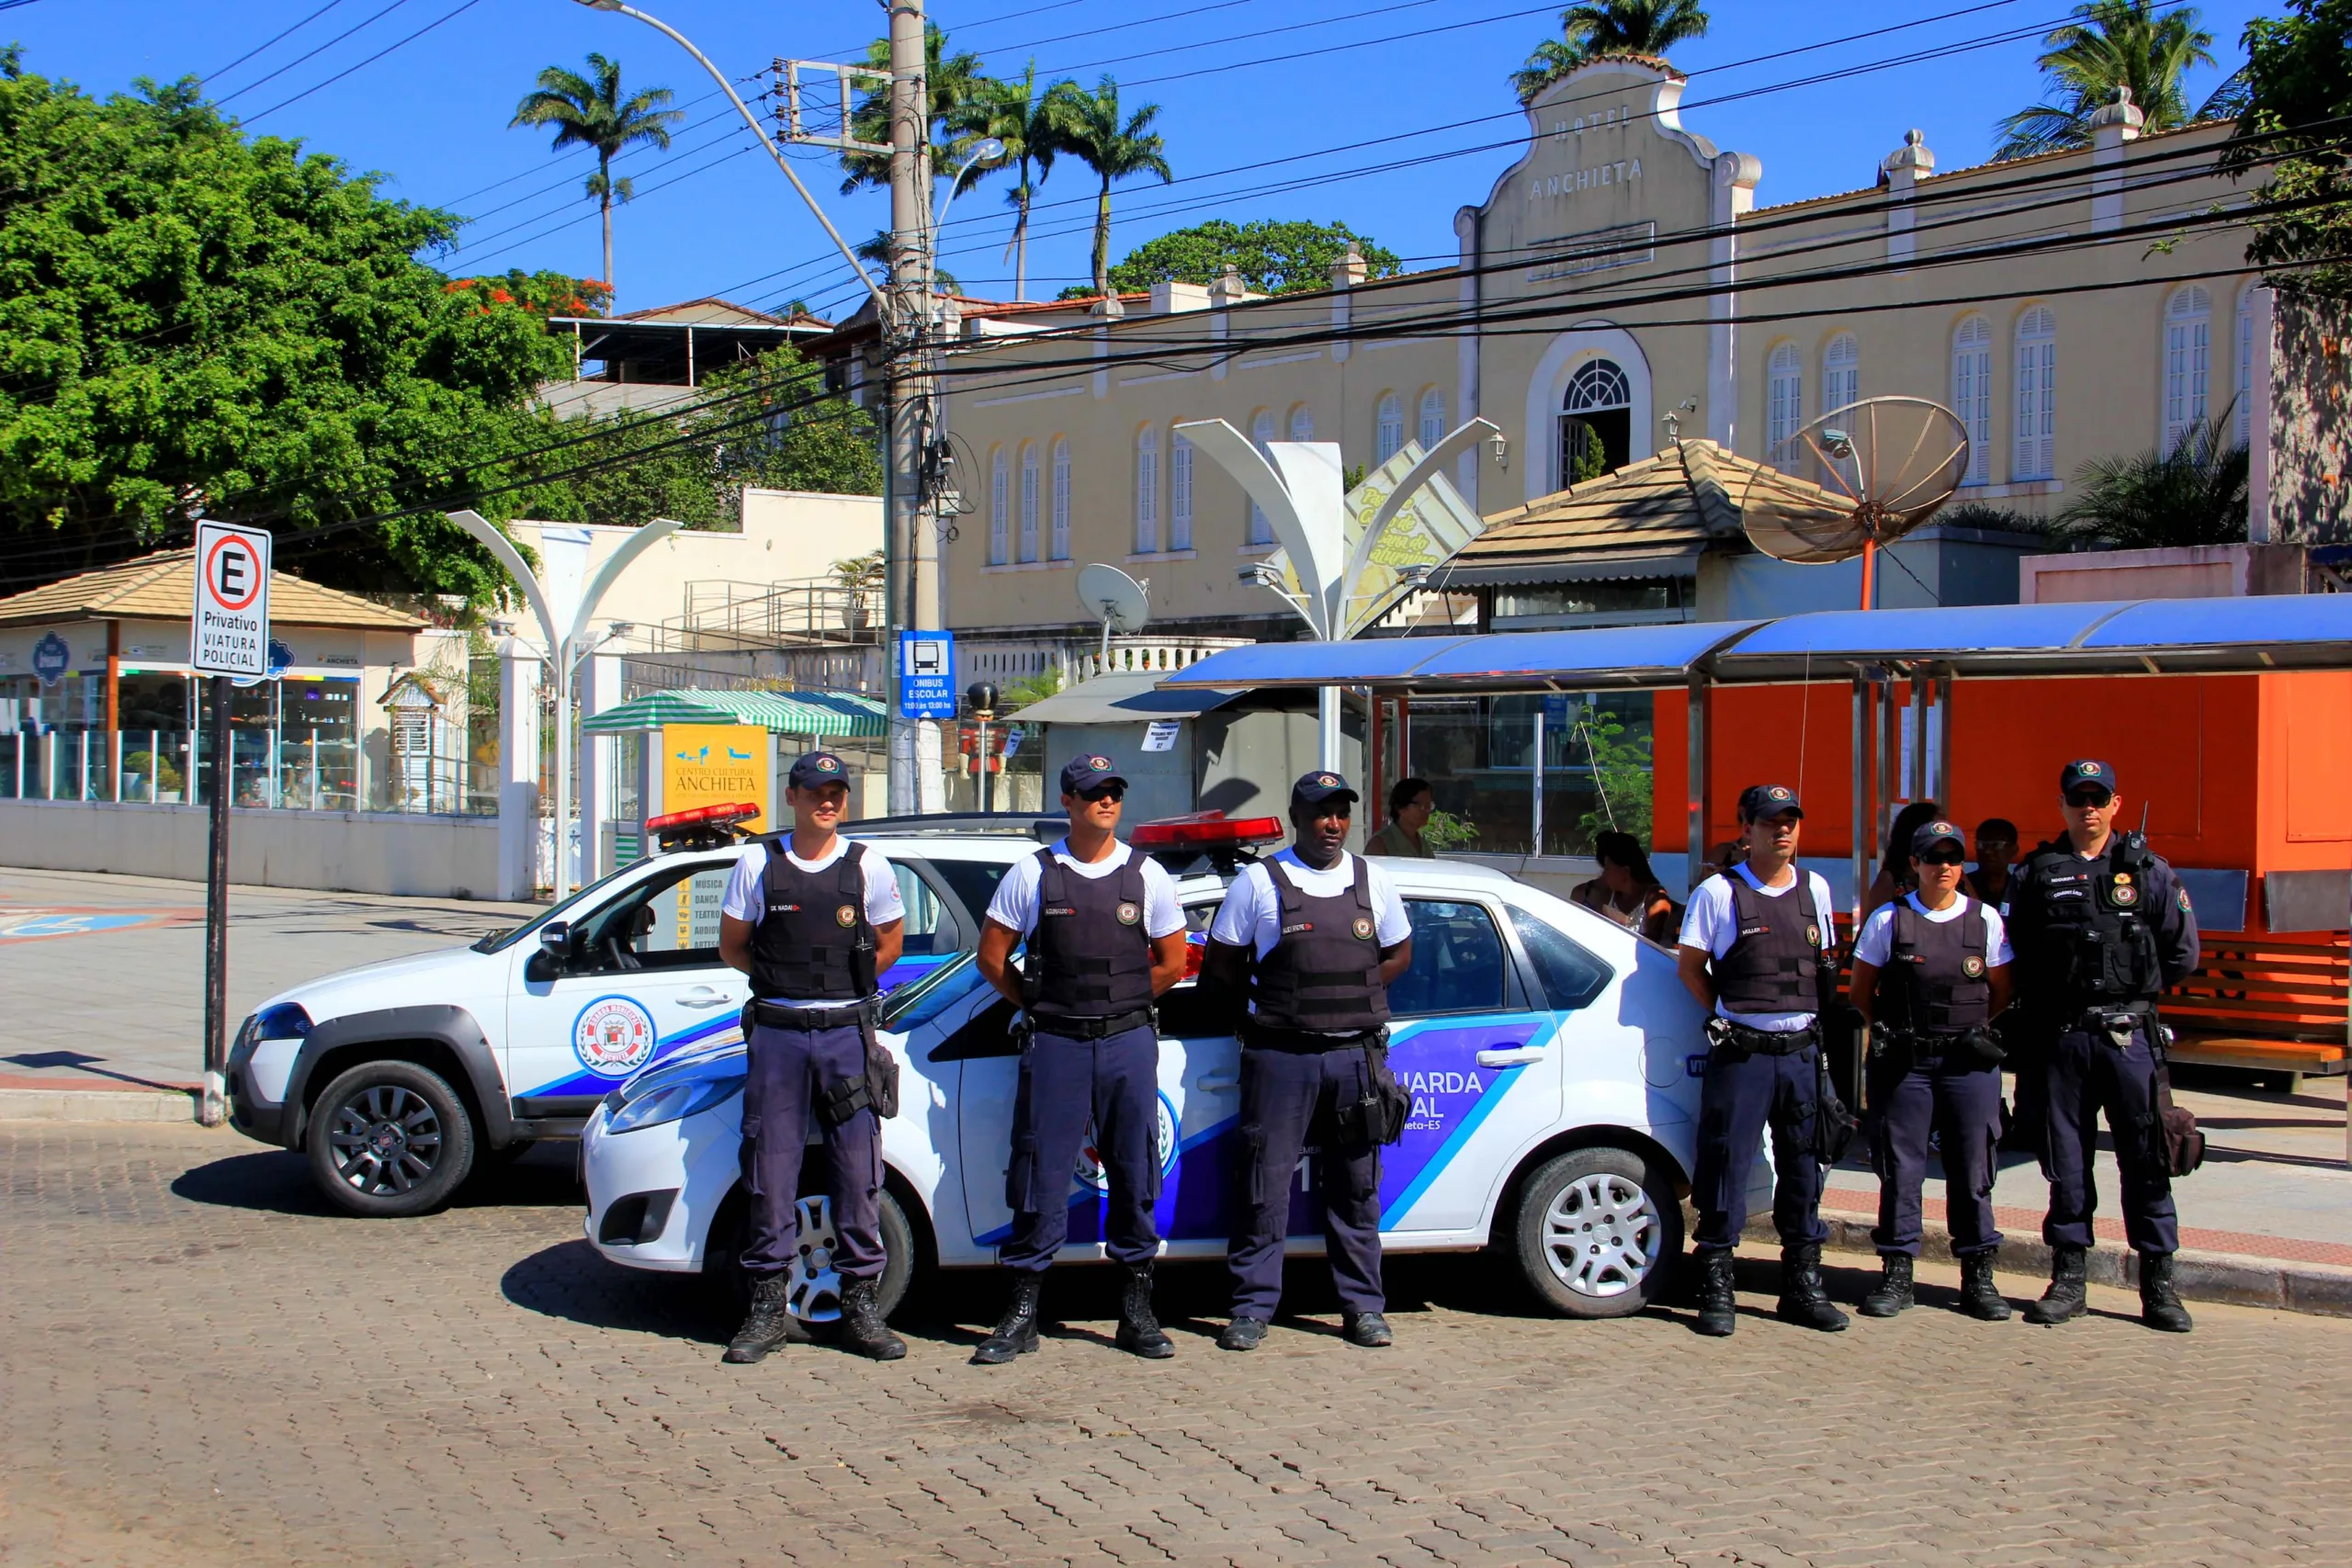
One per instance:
(704, 996)
(1216, 1081)
(1511, 1056)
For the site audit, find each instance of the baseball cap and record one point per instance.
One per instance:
(2087, 771)
(1316, 788)
(1930, 834)
(817, 770)
(1758, 801)
(1089, 770)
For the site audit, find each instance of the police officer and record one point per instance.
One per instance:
(1932, 972)
(1754, 951)
(1106, 937)
(1314, 935)
(2101, 925)
(815, 920)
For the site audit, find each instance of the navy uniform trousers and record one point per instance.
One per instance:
(2087, 1074)
(787, 1068)
(1738, 1097)
(1961, 1098)
(1287, 1101)
(1113, 1082)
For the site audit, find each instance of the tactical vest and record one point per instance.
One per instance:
(1090, 955)
(1323, 972)
(813, 942)
(1775, 961)
(2091, 936)
(1935, 981)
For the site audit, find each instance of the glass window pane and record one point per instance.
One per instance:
(1571, 976)
(1457, 961)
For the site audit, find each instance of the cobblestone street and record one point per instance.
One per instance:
(205, 1367)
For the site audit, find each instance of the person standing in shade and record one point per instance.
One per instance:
(1314, 936)
(1627, 890)
(1105, 936)
(1410, 804)
(1893, 878)
(1756, 943)
(816, 921)
(1932, 972)
(2101, 927)
(1996, 855)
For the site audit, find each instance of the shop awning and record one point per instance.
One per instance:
(1131, 698)
(823, 713)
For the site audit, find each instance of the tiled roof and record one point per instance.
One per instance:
(163, 588)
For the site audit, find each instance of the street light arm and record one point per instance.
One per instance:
(636, 545)
(1240, 456)
(502, 550)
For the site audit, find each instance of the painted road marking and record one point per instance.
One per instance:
(36, 925)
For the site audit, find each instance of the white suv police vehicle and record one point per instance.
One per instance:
(400, 1078)
(1552, 1059)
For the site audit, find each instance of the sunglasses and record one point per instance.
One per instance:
(1104, 792)
(1943, 858)
(2088, 796)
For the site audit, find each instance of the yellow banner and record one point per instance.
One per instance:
(709, 764)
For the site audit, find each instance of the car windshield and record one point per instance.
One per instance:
(587, 898)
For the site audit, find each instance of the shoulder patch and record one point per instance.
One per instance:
(2180, 897)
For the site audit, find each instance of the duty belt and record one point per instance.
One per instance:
(1091, 1028)
(844, 1015)
(1762, 1041)
(1261, 1037)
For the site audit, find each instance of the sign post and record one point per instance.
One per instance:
(228, 638)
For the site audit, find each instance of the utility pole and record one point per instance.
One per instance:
(911, 391)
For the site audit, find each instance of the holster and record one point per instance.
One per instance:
(881, 1068)
(1377, 1115)
(1833, 1126)
(2179, 1143)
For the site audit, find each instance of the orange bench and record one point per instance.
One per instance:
(2268, 1004)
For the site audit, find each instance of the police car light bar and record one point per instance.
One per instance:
(702, 827)
(1206, 830)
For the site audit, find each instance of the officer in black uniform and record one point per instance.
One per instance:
(1932, 972)
(1106, 937)
(1755, 950)
(2102, 926)
(1314, 935)
(798, 919)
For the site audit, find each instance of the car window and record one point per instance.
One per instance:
(1571, 976)
(1457, 961)
(974, 884)
(922, 926)
(912, 1006)
(670, 920)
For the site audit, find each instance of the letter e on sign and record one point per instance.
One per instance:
(229, 628)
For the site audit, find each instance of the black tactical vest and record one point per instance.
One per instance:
(1323, 972)
(1775, 961)
(1934, 976)
(1090, 956)
(813, 942)
(2092, 938)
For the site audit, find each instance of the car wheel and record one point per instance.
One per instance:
(1597, 1232)
(389, 1139)
(814, 1287)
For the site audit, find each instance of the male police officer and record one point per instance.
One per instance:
(2102, 926)
(815, 920)
(1932, 972)
(1317, 934)
(1755, 945)
(1106, 937)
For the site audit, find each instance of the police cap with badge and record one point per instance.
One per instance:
(817, 770)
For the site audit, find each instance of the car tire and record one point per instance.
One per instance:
(389, 1139)
(899, 1251)
(1598, 1232)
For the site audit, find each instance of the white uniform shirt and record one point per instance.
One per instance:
(1877, 940)
(1251, 914)
(1708, 924)
(746, 896)
(1015, 904)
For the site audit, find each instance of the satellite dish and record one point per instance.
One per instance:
(1118, 600)
(1855, 478)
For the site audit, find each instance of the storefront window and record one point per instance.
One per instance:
(1479, 755)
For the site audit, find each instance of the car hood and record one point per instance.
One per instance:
(444, 974)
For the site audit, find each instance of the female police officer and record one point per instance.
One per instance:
(1931, 970)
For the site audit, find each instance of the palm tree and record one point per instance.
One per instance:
(592, 114)
(949, 81)
(2111, 44)
(1021, 116)
(875, 252)
(1087, 127)
(1609, 27)
(2194, 494)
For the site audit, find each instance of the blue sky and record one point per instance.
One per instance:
(1283, 139)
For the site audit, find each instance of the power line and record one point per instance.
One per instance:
(298, 60)
(272, 41)
(388, 49)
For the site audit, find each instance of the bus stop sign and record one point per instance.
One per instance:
(230, 632)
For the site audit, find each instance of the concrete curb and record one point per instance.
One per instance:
(96, 1105)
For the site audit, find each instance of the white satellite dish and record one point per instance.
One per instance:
(1118, 600)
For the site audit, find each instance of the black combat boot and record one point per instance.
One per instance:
(863, 1331)
(765, 1326)
(1803, 1300)
(2159, 1302)
(1139, 1329)
(1016, 1331)
(1718, 1310)
(1978, 1297)
(2066, 1296)
(1893, 1292)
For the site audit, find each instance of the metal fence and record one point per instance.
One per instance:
(267, 769)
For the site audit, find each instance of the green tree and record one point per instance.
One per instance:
(2109, 44)
(2194, 494)
(1621, 774)
(1590, 459)
(592, 114)
(949, 81)
(1019, 116)
(2298, 95)
(1087, 127)
(191, 321)
(1273, 257)
(876, 252)
(1609, 27)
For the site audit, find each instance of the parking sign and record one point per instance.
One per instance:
(229, 634)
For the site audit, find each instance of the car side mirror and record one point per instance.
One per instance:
(554, 953)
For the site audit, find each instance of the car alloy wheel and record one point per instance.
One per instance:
(1600, 1236)
(386, 1142)
(389, 1139)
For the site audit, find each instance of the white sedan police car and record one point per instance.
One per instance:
(1552, 1059)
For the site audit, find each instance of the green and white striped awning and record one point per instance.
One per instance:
(826, 714)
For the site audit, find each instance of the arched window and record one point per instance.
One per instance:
(2188, 361)
(1432, 419)
(1841, 373)
(2246, 366)
(1180, 492)
(1785, 404)
(1147, 491)
(2036, 434)
(1302, 424)
(1971, 394)
(1261, 434)
(1028, 501)
(1000, 507)
(1596, 422)
(1389, 427)
(1061, 498)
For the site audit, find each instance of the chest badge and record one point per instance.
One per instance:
(846, 916)
(1364, 928)
(1972, 967)
(1129, 914)
(1812, 936)
(2125, 893)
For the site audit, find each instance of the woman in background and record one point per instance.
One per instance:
(1627, 891)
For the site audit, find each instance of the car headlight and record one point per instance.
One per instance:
(287, 1020)
(673, 1093)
